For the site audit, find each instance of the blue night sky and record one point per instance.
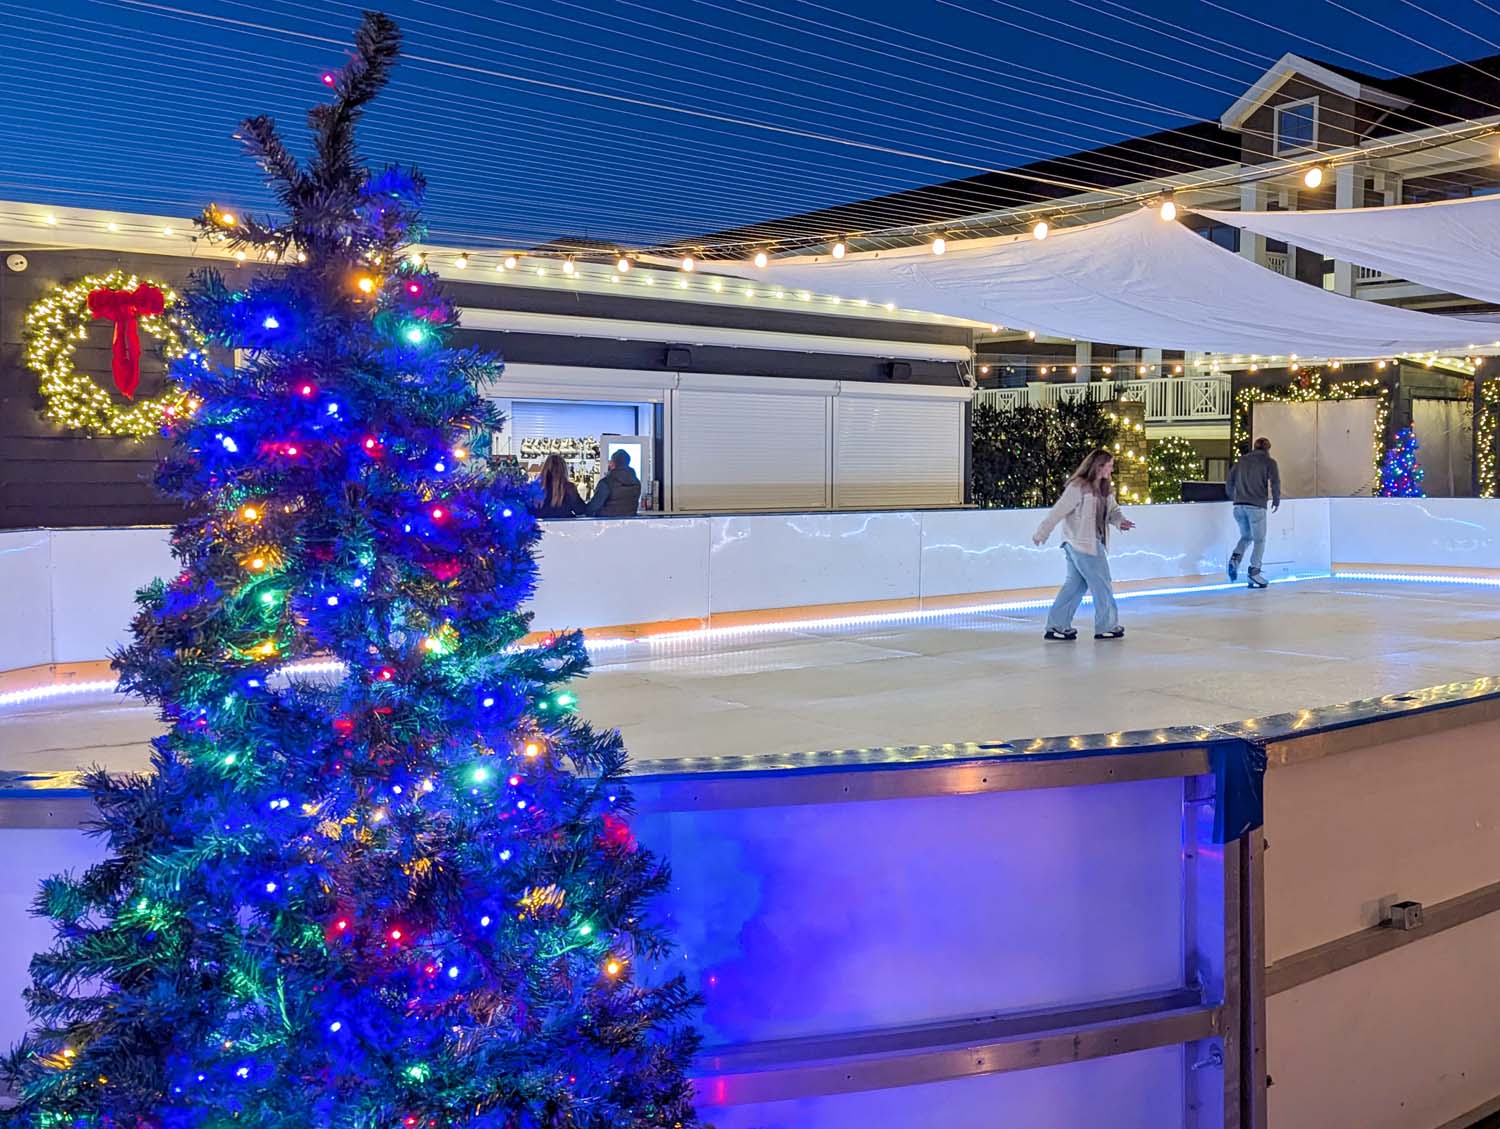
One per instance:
(129, 104)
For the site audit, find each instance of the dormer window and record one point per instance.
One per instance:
(1297, 127)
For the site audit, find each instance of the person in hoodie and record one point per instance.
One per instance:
(1086, 511)
(618, 493)
(1252, 482)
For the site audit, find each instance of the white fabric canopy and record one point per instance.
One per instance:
(1134, 280)
(1453, 245)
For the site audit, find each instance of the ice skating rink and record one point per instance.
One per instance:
(1189, 658)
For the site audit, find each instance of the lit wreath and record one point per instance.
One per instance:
(58, 320)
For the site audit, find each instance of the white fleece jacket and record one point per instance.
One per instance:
(1077, 510)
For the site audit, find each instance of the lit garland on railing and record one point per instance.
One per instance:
(59, 320)
(1487, 449)
(1311, 388)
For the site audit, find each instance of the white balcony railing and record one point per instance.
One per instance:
(1180, 399)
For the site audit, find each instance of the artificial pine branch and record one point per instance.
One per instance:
(400, 889)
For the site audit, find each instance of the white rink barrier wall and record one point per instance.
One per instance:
(66, 595)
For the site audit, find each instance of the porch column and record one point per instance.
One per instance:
(1083, 357)
(1253, 246)
(1348, 193)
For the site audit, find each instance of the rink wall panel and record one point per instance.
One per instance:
(67, 594)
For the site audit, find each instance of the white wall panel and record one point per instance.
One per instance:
(1346, 429)
(26, 598)
(1404, 1041)
(1422, 532)
(1414, 819)
(748, 451)
(991, 550)
(612, 573)
(95, 574)
(1292, 429)
(802, 559)
(897, 451)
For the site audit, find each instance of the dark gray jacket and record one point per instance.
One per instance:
(617, 495)
(1254, 480)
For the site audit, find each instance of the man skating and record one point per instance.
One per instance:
(1252, 482)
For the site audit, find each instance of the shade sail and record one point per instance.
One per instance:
(1133, 280)
(1453, 245)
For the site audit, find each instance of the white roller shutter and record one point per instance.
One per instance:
(742, 451)
(559, 418)
(896, 451)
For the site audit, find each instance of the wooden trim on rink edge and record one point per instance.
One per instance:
(1355, 948)
(792, 1069)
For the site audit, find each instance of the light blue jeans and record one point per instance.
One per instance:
(1252, 523)
(1089, 573)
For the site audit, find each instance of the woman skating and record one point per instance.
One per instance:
(1086, 510)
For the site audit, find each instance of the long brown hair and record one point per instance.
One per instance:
(554, 479)
(1087, 474)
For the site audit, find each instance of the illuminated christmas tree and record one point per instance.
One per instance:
(381, 875)
(1173, 461)
(1400, 476)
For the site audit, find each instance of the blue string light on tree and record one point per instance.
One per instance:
(407, 897)
(1400, 474)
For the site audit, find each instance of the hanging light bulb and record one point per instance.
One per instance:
(1041, 230)
(568, 267)
(1168, 210)
(839, 249)
(622, 264)
(1313, 177)
(688, 263)
(462, 262)
(761, 258)
(511, 262)
(939, 245)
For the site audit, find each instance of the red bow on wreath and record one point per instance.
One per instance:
(125, 308)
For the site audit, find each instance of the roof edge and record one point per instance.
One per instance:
(1291, 64)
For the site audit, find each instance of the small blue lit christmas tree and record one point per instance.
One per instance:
(1400, 476)
(404, 895)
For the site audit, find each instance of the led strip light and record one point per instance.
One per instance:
(36, 694)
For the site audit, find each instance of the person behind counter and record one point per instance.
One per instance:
(619, 492)
(560, 498)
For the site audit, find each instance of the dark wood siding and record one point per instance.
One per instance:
(52, 477)
(49, 477)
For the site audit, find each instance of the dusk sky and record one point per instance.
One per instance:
(131, 105)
